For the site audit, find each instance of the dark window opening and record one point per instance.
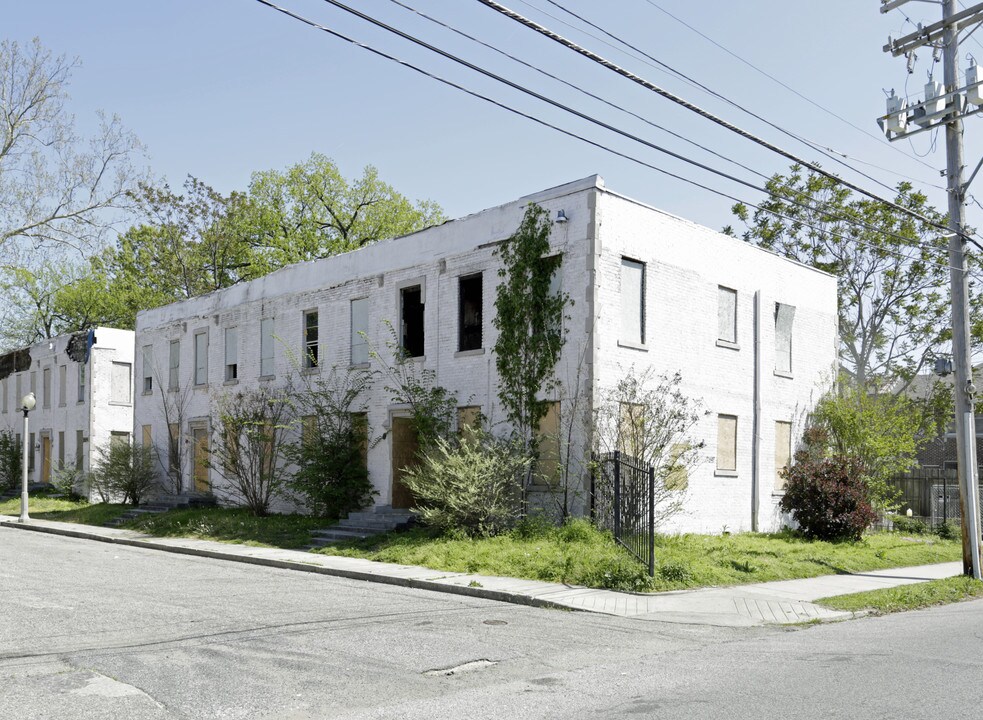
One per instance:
(232, 371)
(469, 313)
(412, 317)
(310, 339)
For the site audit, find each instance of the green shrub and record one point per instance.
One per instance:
(828, 497)
(471, 487)
(11, 456)
(909, 526)
(66, 481)
(948, 531)
(674, 572)
(332, 474)
(124, 473)
(534, 525)
(579, 530)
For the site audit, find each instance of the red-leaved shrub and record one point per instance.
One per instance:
(828, 497)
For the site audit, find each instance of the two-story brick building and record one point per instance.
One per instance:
(83, 384)
(752, 334)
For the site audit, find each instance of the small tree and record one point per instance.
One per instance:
(883, 432)
(648, 417)
(529, 320)
(10, 460)
(331, 450)
(472, 487)
(251, 434)
(123, 473)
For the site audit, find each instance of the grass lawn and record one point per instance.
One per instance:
(909, 597)
(233, 525)
(580, 555)
(43, 507)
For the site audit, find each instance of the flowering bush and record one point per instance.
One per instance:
(828, 497)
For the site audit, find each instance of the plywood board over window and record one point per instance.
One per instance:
(783, 451)
(122, 384)
(548, 464)
(726, 314)
(727, 443)
(784, 317)
(632, 302)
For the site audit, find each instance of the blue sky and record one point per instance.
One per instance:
(222, 88)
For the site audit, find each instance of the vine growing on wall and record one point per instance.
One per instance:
(529, 318)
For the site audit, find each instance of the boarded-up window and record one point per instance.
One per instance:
(34, 383)
(119, 437)
(784, 315)
(174, 365)
(548, 464)
(62, 382)
(121, 384)
(173, 448)
(308, 428)
(360, 328)
(677, 477)
(310, 340)
(61, 449)
(266, 347)
(469, 312)
(201, 358)
(6, 387)
(468, 421)
(726, 314)
(78, 449)
(783, 451)
(147, 436)
(727, 442)
(30, 454)
(632, 301)
(231, 354)
(631, 429)
(46, 388)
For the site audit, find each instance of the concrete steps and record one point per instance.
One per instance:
(363, 524)
(163, 504)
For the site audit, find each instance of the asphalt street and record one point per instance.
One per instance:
(90, 630)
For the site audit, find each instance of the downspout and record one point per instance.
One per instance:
(756, 417)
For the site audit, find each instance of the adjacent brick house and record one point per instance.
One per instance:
(83, 384)
(753, 335)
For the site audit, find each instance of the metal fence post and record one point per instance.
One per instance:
(651, 522)
(617, 494)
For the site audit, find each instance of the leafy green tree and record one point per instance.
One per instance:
(123, 472)
(311, 211)
(529, 320)
(892, 270)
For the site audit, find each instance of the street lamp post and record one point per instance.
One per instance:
(27, 403)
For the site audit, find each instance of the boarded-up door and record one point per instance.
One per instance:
(200, 437)
(46, 459)
(404, 455)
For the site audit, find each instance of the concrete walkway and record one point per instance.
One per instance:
(772, 603)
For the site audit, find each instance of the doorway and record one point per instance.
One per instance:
(199, 459)
(45, 458)
(405, 447)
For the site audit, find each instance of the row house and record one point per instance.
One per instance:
(752, 334)
(83, 385)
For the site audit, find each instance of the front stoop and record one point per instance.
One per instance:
(162, 504)
(363, 524)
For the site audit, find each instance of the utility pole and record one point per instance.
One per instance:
(948, 107)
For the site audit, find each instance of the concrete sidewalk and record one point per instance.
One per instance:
(773, 603)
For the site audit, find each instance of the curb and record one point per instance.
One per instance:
(497, 595)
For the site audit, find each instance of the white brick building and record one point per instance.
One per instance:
(753, 335)
(83, 384)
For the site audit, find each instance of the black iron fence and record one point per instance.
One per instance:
(931, 494)
(622, 496)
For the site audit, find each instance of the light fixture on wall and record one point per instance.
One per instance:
(561, 216)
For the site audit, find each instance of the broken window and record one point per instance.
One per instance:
(469, 313)
(231, 354)
(632, 301)
(81, 386)
(360, 326)
(411, 313)
(726, 314)
(784, 314)
(310, 339)
(148, 377)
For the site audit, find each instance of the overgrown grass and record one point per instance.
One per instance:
(908, 597)
(44, 507)
(233, 525)
(578, 554)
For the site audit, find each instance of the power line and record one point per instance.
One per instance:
(714, 93)
(809, 100)
(605, 148)
(578, 89)
(579, 114)
(511, 14)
